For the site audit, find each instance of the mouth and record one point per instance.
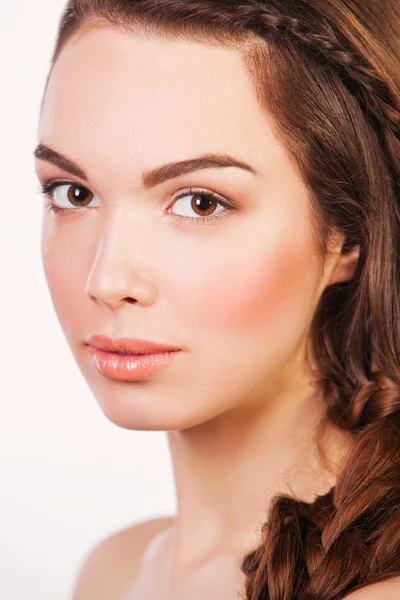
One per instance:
(130, 367)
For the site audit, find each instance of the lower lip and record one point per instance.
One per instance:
(130, 367)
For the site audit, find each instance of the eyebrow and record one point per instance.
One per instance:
(154, 176)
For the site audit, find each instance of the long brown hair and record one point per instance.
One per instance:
(328, 72)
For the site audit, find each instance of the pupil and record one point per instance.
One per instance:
(79, 194)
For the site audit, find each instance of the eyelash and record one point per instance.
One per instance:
(48, 187)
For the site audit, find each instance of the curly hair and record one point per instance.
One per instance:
(328, 72)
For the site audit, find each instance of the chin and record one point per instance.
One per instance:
(134, 418)
(144, 410)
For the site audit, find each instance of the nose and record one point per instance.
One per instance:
(119, 273)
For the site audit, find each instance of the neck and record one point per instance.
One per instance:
(228, 469)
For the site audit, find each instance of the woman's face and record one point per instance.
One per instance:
(235, 292)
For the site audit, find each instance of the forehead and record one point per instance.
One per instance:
(113, 93)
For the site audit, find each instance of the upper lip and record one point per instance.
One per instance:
(128, 345)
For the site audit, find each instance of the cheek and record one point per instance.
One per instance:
(256, 288)
(66, 273)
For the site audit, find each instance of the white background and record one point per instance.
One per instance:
(69, 477)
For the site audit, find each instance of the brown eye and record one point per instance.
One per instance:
(202, 204)
(79, 196)
(67, 195)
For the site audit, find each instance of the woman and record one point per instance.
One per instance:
(222, 196)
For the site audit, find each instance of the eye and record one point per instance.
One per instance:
(203, 204)
(63, 195)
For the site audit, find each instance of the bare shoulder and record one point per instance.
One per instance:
(110, 568)
(384, 590)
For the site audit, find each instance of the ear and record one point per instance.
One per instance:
(343, 265)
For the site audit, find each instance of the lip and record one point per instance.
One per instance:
(127, 359)
(125, 345)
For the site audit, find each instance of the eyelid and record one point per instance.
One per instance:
(55, 182)
(200, 190)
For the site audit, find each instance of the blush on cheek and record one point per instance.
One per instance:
(270, 291)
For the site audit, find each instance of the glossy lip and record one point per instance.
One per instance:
(129, 359)
(128, 346)
(129, 367)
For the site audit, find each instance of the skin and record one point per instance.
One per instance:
(237, 294)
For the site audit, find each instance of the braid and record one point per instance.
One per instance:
(375, 399)
(336, 543)
(373, 90)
